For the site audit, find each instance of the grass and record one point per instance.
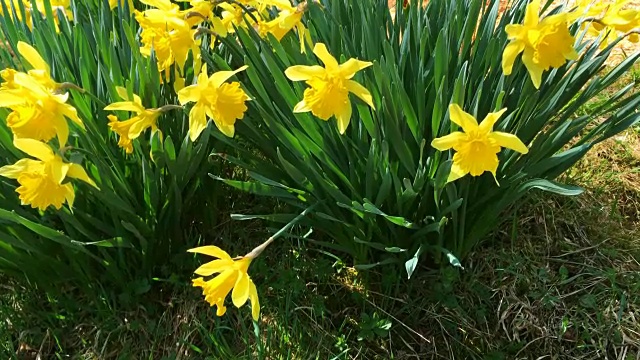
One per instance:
(560, 279)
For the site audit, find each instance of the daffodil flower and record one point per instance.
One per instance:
(42, 181)
(223, 102)
(39, 110)
(167, 33)
(288, 18)
(233, 16)
(131, 129)
(329, 87)
(232, 275)
(610, 19)
(545, 44)
(478, 146)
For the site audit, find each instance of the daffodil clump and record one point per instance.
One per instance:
(39, 113)
(407, 168)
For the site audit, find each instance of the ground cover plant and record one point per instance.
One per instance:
(390, 142)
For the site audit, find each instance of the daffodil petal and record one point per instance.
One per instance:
(350, 67)
(58, 170)
(301, 107)
(509, 56)
(213, 267)
(189, 94)
(30, 83)
(463, 119)
(448, 141)
(241, 290)
(125, 106)
(361, 92)
(531, 16)
(35, 148)
(70, 195)
(221, 76)
(456, 173)
(343, 116)
(62, 130)
(255, 302)
(78, 172)
(211, 250)
(535, 71)
(514, 31)
(227, 129)
(509, 141)
(301, 72)
(487, 124)
(9, 99)
(199, 282)
(122, 92)
(197, 121)
(22, 165)
(32, 56)
(145, 121)
(327, 59)
(218, 26)
(71, 113)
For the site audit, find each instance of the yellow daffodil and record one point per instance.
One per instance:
(42, 181)
(223, 102)
(39, 110)
(131, 129)
(329, 87)
(610, 19)
(478, 146)
(7, 79)
(233, 16)
(201, 11)
(166, 32)
(289, 17)
(232, 276)
(40, 69)
(545, 44)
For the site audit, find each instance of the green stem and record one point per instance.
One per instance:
(260, 248)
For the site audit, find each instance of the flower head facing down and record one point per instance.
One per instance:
(214, 98)
(329, 87)
(232, 275)
(544, 44)
(42, 181)
(478, 146)
(39, 110)
(131, 129)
